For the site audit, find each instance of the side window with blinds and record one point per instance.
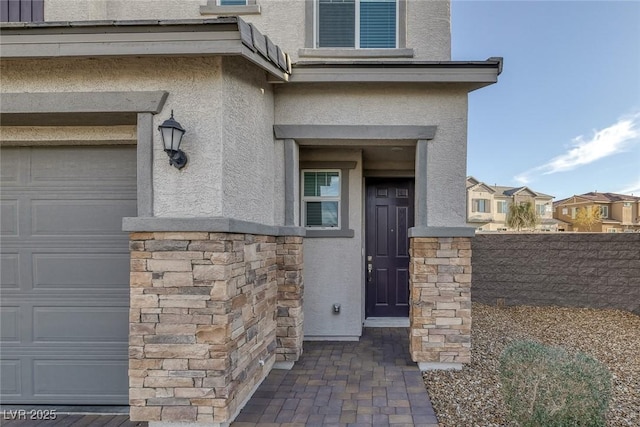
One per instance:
(21, 10)
(321, 199)
(357, 23)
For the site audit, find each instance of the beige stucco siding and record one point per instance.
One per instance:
(67, 135)
(226, 106)
(333, 266)
(195, 94)
(428, 29)
(374, 104)
(248, 144)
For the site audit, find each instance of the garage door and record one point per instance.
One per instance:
(65, 273)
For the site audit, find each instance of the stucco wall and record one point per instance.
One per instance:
(397, 104)
(68, 135)
(195, 94)
(284, 21)
(248, 144)
(571, 270)
(227, 111)
(333, 266)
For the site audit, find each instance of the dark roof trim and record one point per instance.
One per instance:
(220, 36)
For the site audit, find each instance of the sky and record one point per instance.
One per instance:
(564, 117)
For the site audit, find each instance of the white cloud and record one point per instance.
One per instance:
(606, 142)
(633, 188)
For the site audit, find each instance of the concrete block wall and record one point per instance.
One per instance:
(598, 270)
(202, 323)
(440, 311)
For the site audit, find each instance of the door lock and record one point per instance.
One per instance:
(369, 270)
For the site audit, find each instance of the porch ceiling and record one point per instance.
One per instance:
(394, 155)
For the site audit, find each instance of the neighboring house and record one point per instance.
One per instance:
(488, 205)
(619, 213)
(324, 187)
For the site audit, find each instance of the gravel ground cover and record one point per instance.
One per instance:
(472, 396)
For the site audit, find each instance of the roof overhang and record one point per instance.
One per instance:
(197, 37)
(471, 75)
(78, 108)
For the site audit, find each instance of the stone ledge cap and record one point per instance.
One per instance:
(442, 232)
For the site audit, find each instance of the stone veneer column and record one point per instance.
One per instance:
(202, 324)
(440, 312)
(290, 296)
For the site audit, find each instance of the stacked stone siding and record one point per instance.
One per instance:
(440, 312)
(597, 270)
(290, 291)
(202, 323)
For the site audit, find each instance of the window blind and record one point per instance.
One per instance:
(377, 23)
(336, 23)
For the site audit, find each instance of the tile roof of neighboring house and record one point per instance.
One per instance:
(502, 190)
(594, 196)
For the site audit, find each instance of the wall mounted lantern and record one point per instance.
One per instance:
(172, 133)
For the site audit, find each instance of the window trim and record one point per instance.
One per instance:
(304, 199)
(604, 208)
(213, 7)
(311, 33)
(475, 205)
(343, 212)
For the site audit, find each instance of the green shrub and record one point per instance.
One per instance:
(546, 386)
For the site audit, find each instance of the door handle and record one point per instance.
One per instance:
(369, 270)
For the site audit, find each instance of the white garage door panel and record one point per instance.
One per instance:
(65, 273)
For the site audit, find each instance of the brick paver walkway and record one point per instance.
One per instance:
(369, 382)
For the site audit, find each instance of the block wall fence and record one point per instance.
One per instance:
(596, 270)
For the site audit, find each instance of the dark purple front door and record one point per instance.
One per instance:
(389, 214)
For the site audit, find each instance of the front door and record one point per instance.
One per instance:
(389, 214)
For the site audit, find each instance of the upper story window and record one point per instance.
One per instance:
(540, 209)
(232, 2)
(565, 211)
(574, 212)
(364, 24)
(480, 205)
(503, 206)
(21, 10)
(604, 211)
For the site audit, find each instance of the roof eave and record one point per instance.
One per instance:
(205, 37)
(471, 75)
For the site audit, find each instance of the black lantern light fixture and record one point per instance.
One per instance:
(172, 133)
